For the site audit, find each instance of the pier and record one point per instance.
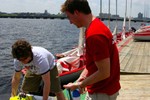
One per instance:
(135, 69)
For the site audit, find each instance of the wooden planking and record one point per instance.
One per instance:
(127, 56)
(146, 58)
(136, 64)
(134, 87)
(142, 55)
(145, 61)
(124, 50)
(135, 57)
(135, 70)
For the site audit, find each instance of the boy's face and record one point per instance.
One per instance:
(25, 60)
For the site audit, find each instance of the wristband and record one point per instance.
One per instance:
(81, 89)
(78, 86)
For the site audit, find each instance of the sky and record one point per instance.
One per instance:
(53, 6)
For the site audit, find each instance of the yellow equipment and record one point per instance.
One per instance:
(27, 97)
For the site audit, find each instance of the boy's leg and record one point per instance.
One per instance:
(56, 85)
(31, 82)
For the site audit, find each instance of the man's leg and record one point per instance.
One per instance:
(101, 96)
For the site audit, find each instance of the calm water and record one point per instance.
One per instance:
(56, 35)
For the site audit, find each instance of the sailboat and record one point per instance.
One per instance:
(71, 66)
(124, 23)
(123, 34)
(109, 14)
(143, 33)
(115, 38)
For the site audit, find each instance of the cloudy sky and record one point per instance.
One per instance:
(53, 6)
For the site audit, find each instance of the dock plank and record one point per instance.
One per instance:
(124, 49)
(134, 87)
(134, 56)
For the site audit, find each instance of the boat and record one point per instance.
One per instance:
(143, 33)
(122, 35)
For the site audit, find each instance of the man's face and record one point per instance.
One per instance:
(25, 60)
(74, 18)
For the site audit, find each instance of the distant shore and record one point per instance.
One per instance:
(25, 16)
(46, 15)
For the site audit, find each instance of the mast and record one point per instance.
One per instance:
(130, 15)
(100, 8)
(81, 37)
(124, 22)
(80, 49)
(116, 27)
(116, 11)
(144, 9)
(109, 14)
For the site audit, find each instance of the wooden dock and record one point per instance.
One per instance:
(135, 69)
(134, 87)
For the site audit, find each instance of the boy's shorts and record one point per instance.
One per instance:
(32, 82)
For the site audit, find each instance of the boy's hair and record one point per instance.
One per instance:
(79, 5)
(21, 49)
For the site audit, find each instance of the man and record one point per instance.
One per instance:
(41, 66)
(102, 73)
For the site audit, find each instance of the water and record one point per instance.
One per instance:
(56, 35)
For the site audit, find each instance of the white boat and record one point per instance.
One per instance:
(142, 34)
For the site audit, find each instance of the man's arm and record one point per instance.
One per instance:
(47, 84)
(102, 73)
(100, 53)
(83, 75)
(15, 83)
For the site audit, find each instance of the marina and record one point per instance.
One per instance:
(134, 55)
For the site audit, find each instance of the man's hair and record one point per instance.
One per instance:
(79, 5)
(21, 48)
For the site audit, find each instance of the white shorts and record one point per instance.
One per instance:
(101, 96)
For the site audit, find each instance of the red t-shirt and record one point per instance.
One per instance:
(100, 45)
